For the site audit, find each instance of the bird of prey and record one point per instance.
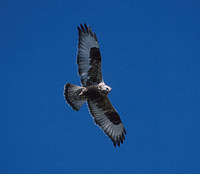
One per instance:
(93, 89)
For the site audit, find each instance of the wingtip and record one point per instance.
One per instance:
(123, 136)
(95, 36)
(84, 28)
(81, 27)
(124, 130)
(114, 143)
(118, 143)
(79, 30)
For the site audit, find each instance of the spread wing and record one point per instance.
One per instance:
(107, 118)
(88, 57)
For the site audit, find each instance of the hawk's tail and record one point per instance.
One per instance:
(71, 93)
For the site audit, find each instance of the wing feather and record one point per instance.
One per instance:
(88, 57)
(107, 118)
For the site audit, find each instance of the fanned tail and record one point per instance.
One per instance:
(71, 93)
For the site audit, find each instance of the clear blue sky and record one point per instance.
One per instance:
(151, 59)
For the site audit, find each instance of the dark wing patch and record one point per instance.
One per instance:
(107, 118)
(88, 57)
(95, 54)
(113, 116)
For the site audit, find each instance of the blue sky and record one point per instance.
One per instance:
(151, 59)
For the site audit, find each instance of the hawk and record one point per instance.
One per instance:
(93, 90)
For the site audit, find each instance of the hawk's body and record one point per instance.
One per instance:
(94, 91)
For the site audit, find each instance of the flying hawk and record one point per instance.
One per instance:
(93, 89)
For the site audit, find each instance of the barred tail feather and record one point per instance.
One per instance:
(71, 93)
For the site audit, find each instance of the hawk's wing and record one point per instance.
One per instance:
(107, 118)
(88, 57)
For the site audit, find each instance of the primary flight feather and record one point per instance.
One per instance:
(94, 91)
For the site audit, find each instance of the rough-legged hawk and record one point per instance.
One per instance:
(94, 91)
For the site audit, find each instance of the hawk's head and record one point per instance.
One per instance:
(104, 88)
